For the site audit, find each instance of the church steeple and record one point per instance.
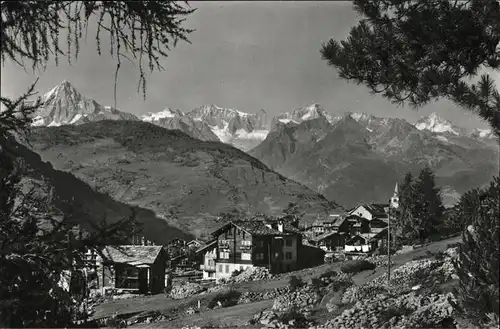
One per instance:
(395, 197)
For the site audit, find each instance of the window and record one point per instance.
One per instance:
(224, 255)
(246, 256)
(220, 268)
(246, 243)
(288, 242)
(259, 256)
(288, 255)
(227, 268)
(260, 244)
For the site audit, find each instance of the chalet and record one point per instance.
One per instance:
(133, 268)
(244, 244)
(365, 242)
(208, 255)
(194, 244)
(371, 211)
(330, 241)
(358, 224)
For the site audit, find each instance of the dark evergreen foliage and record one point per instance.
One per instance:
(421, 213)
(478, 262)
(418, 51)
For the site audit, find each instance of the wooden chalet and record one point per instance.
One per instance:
(208, 255)
(244, 244)
(330, 241)
(371, 211)
(366, 242)
(133, 268)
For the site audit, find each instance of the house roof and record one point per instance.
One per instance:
(207, 246)
(325, 235)
(377, 230)
(339, 221)
(376, 209)
(256, 227)
(132, 255)
(194, 242)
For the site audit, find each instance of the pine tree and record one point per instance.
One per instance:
(430, 205)
(478, 262)
(421, 209)
(418, 51)
(405, 218)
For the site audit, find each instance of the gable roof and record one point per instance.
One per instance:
(132, 255)
(256, 227)
(207, 246)
(325, 235)
(376, 209)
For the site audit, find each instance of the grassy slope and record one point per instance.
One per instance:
(77, 200)
(186, 181)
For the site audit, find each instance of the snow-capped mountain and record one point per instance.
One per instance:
(176, 119)
(64, 105)
(310, 112)
(240, 129)
(436, 124)
(166, 113)
(482, 133)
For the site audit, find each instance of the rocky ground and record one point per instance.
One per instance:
(417, 296)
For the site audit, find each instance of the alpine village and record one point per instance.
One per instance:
(310, 196)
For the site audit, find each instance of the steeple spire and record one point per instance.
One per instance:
(395, 197)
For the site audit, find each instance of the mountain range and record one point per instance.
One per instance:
(351, 158)
(360, 157)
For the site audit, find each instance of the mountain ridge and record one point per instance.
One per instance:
(356, 157)
(186, 181)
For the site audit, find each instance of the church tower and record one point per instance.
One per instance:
(395, 198)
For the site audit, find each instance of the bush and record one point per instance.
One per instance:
(295, 282)
(328, 274)
(226, 299)
(356, 266)
(293, 314)
(236, 273)
(316, 283)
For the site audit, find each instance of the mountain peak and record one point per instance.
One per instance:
(64, 105)
(437, 124)
(166, 113)
(63, 89)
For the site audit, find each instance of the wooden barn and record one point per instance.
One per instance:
(139, 269)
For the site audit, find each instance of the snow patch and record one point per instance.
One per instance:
(484, 132)
(76, 118)
(256, 134)
(285, 121)
(436, 124)
(54, 124)
(51, 93)
(222, 133)
(369, 130)
(166, 113)
(38, 121)
(442, 138)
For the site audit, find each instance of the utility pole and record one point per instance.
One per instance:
(389, 246)
(393, 204)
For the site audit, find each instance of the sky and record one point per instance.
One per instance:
(243, 55)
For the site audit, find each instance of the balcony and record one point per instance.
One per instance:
(208, 268)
